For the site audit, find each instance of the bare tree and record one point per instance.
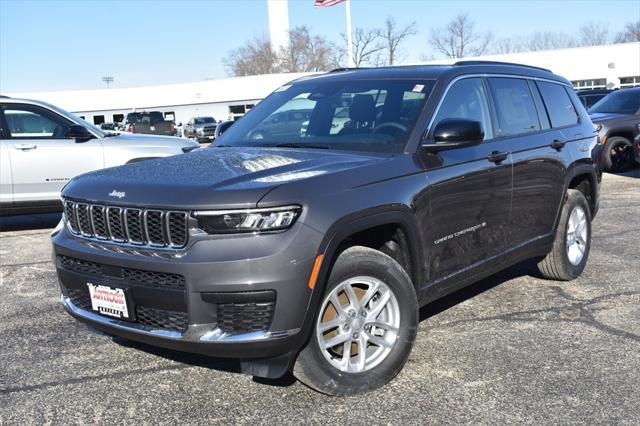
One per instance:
(548, 40)
(459, 38)
(255, 57)
(366, 47)
(593, 33)
(508, 45)
(630, 33)
(307, 52)
(392, 36)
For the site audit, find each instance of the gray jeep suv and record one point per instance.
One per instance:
(311, 251)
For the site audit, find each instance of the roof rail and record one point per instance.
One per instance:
(459, 63)
(348, 69)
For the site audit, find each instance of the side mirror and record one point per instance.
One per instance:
(222, 127)
(452, 133)
(79, 133)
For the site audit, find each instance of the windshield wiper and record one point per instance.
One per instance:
(295, 145)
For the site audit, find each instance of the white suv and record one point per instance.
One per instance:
(42, 147)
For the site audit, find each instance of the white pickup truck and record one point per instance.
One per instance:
(42, 147)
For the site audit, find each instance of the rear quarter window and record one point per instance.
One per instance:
(559, 106)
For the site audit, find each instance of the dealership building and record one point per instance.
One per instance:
(598, 67)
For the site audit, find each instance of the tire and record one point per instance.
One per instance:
(387, 348)
(618, 156)
(562, 263)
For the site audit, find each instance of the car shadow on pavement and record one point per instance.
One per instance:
(196, 360)
(29, 222)
(527, 267)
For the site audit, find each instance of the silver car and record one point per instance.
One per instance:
(42, 147)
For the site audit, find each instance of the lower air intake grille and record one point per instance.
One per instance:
(159, 318)
(155, 279)
(79, 298)
(80, 265)
(238, 317)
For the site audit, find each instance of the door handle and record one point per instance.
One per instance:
(558, 144)
(497, 157)
(25, 146)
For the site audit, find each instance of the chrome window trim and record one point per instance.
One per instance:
(485, 75)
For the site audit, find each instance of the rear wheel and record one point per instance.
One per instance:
(618, 155)
(570, 252)
(365, 327)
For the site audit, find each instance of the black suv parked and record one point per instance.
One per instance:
(617, 117)
(313, 250)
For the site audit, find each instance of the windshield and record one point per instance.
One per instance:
(204, 120)
(619, 102)
(359, 115)
(77, 120)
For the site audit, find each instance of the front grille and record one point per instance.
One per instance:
(242, 317)
(157, 279)
(152, 318)
(209, 129)
(122, 225)
(160, 318)
(134, 276)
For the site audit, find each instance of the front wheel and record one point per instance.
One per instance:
(365, 327)
(570, 252)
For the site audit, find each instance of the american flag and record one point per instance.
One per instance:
(324, 3)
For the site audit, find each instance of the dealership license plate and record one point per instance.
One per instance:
(108, 301)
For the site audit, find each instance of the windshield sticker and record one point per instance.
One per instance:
(418, 88)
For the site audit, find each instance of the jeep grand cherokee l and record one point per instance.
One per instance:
(313, 251)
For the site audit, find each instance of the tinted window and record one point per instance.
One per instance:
(362, 115)
(514, 105)
(561, 110)
(31, 122)
(466, 99)
(625, 101)
(204, 120)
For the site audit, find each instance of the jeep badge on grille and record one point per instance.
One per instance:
(115, 193)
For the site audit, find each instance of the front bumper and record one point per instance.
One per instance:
(211, 267)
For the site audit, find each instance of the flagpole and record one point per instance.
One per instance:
(350, 63)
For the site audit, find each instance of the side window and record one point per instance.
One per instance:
(542, 111)
(561, 110)
(32, 122)
(514, 106)
(466, 99)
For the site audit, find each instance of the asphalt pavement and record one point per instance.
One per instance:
(513, 348)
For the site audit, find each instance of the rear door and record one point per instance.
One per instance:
(539, 171)
(42, 159)
(470, 188)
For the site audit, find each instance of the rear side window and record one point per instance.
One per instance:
(514, 106)
(542, 111)
(561, 110)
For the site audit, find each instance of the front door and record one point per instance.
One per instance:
(42, 159)
(470, 188)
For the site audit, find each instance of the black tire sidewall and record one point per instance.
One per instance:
(330, 380)
(611, 144)
(574, 199)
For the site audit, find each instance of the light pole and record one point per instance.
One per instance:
(107, 80)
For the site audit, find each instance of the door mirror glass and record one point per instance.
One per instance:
(452, 133)
(79, 133)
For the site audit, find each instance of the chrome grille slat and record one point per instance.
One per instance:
(157, 228)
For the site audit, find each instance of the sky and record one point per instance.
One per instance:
(64, 45)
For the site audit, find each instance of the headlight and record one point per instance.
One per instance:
(251, 220)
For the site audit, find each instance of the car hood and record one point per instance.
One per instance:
(599, 117)
(210, 178)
